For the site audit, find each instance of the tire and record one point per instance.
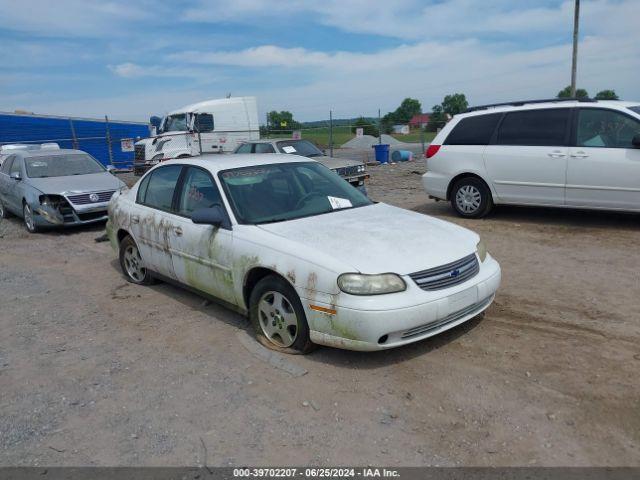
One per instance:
(4, 213)
(471, 198)
(278, 318)
(132, 265)
(27, 217)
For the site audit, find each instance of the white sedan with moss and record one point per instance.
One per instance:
(309, 258)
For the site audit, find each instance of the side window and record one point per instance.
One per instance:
(264, 148)
(476, 130)
(204, 122)
(15, 166)
(598, 127)
(142, 189)
(161, 186)
(546, 127)
(198, 191)
(244, 148)
(6, 165)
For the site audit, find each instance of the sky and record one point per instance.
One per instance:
(130, 59)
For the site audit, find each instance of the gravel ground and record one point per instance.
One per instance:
(96, 371)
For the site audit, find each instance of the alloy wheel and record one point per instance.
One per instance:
(468, 199)
(133, 264)
(278, 319)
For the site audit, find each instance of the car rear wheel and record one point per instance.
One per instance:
(132, 264)
(29, 221)
(4, 213)
(278, 318)
(471, 198)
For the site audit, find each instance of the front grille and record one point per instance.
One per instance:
(447, 275)
(139, 154)
(422, 329)
(84, 198)
(347, 171)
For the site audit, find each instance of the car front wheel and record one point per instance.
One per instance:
(29, 221)
(278, 318)
(471, 198)
(132, 264)
(3, 211)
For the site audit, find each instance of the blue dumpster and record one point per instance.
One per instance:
(382, 152)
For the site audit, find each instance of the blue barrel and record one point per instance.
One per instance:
(382, 152)
(401, 155)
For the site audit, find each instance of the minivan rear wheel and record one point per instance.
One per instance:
(471, 198)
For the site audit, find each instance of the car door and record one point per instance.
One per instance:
(15, 188)
(527, 159)
(603, 169)
(6, 181)
(154, 221)
(203, 254)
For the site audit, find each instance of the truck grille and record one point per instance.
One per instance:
(85, 198)
(139, 154)
(447, 275)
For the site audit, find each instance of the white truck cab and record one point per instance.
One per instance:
(211, 126)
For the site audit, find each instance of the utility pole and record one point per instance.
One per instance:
(330, 133)
(379, 129)
(574, 62)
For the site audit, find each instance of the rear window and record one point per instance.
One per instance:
(476, 130)
(535, 127)
(162, 184)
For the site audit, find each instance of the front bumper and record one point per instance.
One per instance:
(68, 216)
(372, 328)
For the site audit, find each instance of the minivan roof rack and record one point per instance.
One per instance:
(525, 102)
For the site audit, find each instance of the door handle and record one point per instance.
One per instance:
(135, 219)
(557, 154)
(579, 155)
(178, 231)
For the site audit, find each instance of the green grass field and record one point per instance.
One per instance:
(342, 134)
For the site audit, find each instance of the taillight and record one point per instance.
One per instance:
(432, 150)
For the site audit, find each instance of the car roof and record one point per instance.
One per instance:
(559, 103)
(216, 162)
(272, 140)
(47, 153)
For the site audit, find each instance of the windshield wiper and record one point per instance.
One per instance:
(274, 220)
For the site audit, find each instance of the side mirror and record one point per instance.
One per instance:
(636, 141)
(111, 168)
(215, 216)
(16, 176)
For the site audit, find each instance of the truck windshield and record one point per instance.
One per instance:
(176, 123)
(299, 147)
(286, 191)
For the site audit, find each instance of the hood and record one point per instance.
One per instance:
(333, 162)
(93, 182)
(380, 238)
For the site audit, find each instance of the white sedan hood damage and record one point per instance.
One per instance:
(380, 238)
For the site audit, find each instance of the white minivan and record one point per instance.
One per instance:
(558, 153)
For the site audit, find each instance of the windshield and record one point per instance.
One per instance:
(299, 147)
(61, 165)
(278, 192)
(635, 109)
(176, 123)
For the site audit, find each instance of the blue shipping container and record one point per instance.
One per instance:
(89, 135)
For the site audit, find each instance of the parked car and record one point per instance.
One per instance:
(50, 188)
(352, 171)
(309, 258)
(8, 149)
(571, 154)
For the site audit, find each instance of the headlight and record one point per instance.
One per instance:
(361, 284)
(361, 168)
(481, 250)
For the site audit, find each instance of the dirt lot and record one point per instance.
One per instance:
(96, 371)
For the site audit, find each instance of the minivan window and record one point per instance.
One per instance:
(476, 130)
(598, 127)
(161, 186)
(544, 127)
